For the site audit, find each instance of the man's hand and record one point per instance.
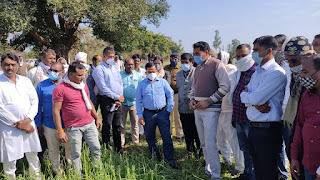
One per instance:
(141, 121)
(202, 105)
(28, 129)
(295, 168)
(234, 124)
(118, 103)
(265, 108)
(40, 130)
(98, 124)
(245, 89)
(121, 99)
(62, 136)
(192, 104)
(22, 124)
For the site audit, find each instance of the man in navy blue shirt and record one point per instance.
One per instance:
(44, 118)
(152, 94)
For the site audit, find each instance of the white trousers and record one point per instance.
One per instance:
(228, 140)
(207, 123)
(9, 168)
(53, 144)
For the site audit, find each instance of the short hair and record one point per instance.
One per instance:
(187, 56)
(267, 42)
(316, 61)
(317, 36)
(45, 52)
(202, 45)
(149, 65)
(135, 56)
(108, 50)
(281, 38)
(151, 56)
(243, 46)
(10, 56)
(54, 63)
(125, 61)
(74, 66)
(158, 57)
(94, 58)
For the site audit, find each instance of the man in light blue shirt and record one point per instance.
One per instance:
(263, 98)
(130, 79)
(109, 82)
(152, 94)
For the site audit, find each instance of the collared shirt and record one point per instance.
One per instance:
(44, 116)
(130, 84)
(153, 95)
(239, 109)
(108, 80)
(306, 141)
(18, 101)
(267, 84)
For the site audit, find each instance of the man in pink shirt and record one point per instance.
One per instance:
(78, 114)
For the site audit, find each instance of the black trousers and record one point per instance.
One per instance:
(110, 118)
(190, 132)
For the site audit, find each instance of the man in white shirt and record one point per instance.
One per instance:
(18, 107)
(41, 72)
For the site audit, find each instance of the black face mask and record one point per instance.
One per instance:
(195, 64)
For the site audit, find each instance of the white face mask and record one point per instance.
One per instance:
(152, 76)
(86, 66)
(296, 69)
(110, 61)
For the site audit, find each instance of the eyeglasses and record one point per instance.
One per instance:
(53, 70)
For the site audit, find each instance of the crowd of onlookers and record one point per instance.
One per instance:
(261, 109)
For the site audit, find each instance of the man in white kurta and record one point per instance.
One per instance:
(18, 107)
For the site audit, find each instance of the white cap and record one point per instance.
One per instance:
(82, 56)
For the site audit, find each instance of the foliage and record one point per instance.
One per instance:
(55, 23)
(217, 41)
(232, 47)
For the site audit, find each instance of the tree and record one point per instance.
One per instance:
(55, 23)
(217, 41)
(232, 47)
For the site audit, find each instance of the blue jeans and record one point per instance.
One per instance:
(162, 120)
(243, 133)
(309, 176)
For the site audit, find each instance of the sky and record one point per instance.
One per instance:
(245, 20)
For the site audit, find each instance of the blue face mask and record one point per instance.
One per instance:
(173, 63)
(256, 57)
(198, 59)
(185, 67)
(53, 75)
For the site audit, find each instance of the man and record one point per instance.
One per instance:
(267, 86)
(109, 83)
(211, 83)
(18, 107)
(130, 79)
(78, 114)
(23, 67)
(152, 94)
(96, 60)
(137, 68)
(316, 43)
(306, 144)
(81, 57)
(174, 68)
(294, 51)
(64, 62)
(44, 118)
(41, 72)
(245, 68)
(118, 63)
(184, 84)
(227, 139)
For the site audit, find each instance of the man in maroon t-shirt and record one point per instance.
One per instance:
(78, 113)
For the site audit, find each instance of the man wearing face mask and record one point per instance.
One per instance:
(294, 51)
(267, 86)
(211, 83)
(109, 82)
(174, 68)
(44, 118)
(184, 83)
(156, 97)
(245, 68)
(306, 142)
(41, 72)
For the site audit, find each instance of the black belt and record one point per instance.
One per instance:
(155, 111)
(264, 124)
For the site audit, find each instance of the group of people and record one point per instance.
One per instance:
(262, 107)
